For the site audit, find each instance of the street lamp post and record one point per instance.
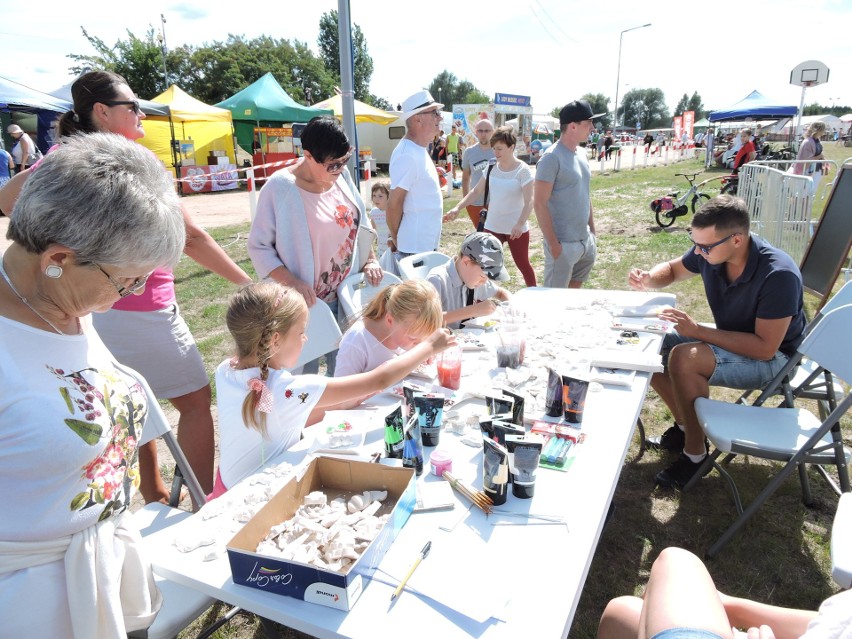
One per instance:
(161, 37)
(618, 72)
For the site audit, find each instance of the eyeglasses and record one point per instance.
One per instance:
(137, 285)
(706, 248)
(337, 167)
(131, 103)
(434, 112)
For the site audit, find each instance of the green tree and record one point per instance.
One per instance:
(647, 107)
(447, 89)
(682, 105)
(329, 45)
(696, 105)
(215, 71)
(600, 104)
(139, 60)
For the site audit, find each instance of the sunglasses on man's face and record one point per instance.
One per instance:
(706, 248)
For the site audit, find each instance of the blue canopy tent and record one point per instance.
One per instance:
(17, 97)
(755, 106)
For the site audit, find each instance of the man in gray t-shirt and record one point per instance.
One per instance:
(563, 203)
(474, 163)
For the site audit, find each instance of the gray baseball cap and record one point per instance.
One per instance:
(487, 252)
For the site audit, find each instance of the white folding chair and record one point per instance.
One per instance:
(841, 542)
(787, 434)
(802, 374)
(323, 333)
(417, 267)
(356, 292)
(181, 605)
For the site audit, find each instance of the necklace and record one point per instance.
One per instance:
(27, 304)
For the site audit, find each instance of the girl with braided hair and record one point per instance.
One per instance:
(262, 406)
(397, 319)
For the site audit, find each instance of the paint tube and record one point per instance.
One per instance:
(430, 412)
(553, 397)
(408, 400)
(517, 407)
(499, 405)
(412, 447)
(574, 398)
(503, 428)
(394, 433)
(523, 463)
(495, 471)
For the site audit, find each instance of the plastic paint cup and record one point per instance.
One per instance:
(510, 350)
(449, 367)
(440, 461)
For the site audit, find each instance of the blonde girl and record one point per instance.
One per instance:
(398, 318)
(262, 407)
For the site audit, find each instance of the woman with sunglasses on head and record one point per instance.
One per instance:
(146, 332)
(311, 229)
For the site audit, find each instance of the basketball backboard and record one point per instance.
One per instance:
(809, 74)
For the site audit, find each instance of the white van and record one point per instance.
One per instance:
(382, 139)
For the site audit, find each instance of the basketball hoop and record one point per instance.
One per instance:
(809, 73)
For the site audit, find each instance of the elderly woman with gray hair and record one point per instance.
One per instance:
(90, 226)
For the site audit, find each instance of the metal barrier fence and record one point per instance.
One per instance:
(779, 204)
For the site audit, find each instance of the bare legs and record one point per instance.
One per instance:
(195, 433)
(690, 367)
(680, 594)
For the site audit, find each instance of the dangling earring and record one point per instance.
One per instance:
(53, 272)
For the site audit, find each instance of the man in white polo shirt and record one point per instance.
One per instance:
(415, 207)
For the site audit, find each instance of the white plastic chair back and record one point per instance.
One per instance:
(841, 549)
(323, 333)
(417, 267)
(829, 343)
(356, 292)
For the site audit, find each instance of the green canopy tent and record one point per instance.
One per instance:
(265, 103)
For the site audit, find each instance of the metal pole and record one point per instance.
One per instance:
(163, 49)
(618, 72)
(347, 80)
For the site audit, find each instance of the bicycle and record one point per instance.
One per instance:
(668, 209)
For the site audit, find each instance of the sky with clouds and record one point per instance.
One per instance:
(551, 50)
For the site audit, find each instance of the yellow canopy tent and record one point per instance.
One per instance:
(209, 128)
(363, 112)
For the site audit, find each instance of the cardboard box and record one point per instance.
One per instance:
(309, 583)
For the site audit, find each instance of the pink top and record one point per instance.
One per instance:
(159, 292)
(333, 228)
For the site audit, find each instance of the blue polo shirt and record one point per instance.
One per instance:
(770, 287)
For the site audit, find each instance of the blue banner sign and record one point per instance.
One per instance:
(512, 100)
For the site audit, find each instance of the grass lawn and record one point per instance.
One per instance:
(781, 557)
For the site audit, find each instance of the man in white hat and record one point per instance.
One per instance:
(563, 202)
(415, 207)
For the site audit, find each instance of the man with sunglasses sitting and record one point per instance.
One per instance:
(754, 291)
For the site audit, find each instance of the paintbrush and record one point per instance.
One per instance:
(478, 498)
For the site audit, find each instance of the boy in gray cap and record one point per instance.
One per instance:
(466, 284)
